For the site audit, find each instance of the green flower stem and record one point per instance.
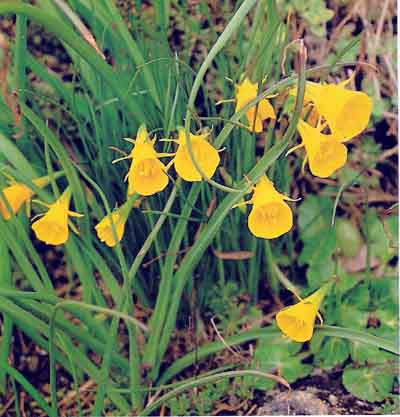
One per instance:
(35, 328)
(196, 252)
(7, 331)
(207, 380)
(132, 48)
(277, 87)
(17, 376)
(20, 58)
(159, 315)
(214, 347)
(62, 305)
(271, 275)
(222, 40)
(15, 156)
(359, 336)
(210, 230)
(123, 305)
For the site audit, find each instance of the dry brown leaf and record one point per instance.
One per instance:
(233, 256)
(358, 262)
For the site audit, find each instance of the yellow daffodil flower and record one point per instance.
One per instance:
(247, 91)
(119, 217)
(346, 112)
(17, 194)
(52, 227)
(147, 174)
(297, 321)
(325, 153)
(270, 216)
(204, 153)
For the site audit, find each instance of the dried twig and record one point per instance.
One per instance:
(233, 351)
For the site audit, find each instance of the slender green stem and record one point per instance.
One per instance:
(20, 57)
(273, 332)
(17, 376)
(7, 330)
(222, 40)
(194, 255)
(122, 305)
(159, 316)
(62, 305)
(207, 380)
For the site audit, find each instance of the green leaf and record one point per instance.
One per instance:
(345, 281)
(293, 369)
(359, 296)
(349, 239)
(352, 317)
(392, 229)
(334, 351)
(314, 216)
(319, 273)
(384, 294)
(389, 324)
(369, 384)
(179, 405)
(278, 354)
(377, 239)
(316, 342)
(320, 249)
(362, 353)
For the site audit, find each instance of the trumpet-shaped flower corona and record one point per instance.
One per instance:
(17, 194)
(52, 227)
(297, 321)
(325, 153)
(270, 216)
(119, 217)
(247, 91)
(147, 177)
(204, 153)
(346, 112)
(147, 174)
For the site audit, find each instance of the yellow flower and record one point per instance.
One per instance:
(325, 153)
(119, 217)
(52, 228)
(297, 321)
(345, 111)
(147, 174)
(205, 155)
(270, 216)
(17, 194)
(247, 91)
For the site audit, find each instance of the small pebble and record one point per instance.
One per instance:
(333, 399)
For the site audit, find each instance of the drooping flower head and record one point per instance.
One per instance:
(247, 91)
(52, 227)
(346, 112)
(119, 217)
(204, 153)
(17, 194)
(147, 174)
(270, 216)
(297, 321)
(325, 152)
